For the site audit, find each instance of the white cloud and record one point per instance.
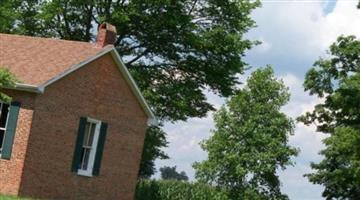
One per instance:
(344, 19)
(300, 31)
(300, 101)
(184, 139)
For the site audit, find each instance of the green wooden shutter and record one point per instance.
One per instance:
(100, 149)
(78, 145)
(10, 130)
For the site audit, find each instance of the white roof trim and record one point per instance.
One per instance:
(133, 86)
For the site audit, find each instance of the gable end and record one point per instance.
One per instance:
(121, 66)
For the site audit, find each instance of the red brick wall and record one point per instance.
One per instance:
(99, 91)
(11, 170)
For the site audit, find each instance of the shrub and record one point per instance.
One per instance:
(176, 190)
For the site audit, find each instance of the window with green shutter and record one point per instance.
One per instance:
(89, 147)
(8, 122)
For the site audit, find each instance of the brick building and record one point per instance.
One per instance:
(76, 125)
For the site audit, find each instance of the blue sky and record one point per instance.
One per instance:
(294, 34)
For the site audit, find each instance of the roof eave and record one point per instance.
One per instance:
(26, 88)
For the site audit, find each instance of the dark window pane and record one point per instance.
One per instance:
(86, 134)
(87, 145)
(4, 114)
(82, 158)
(92, 133)
(2, 135)
(86, 155)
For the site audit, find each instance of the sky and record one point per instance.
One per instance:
(293, 34)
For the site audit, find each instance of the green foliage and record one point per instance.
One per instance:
(7, 18)
(170, 173)
(337, 80)
(7, 80)
(249, 143)
(155, 139)
(17, 16)
(177, 190)
(339, 172)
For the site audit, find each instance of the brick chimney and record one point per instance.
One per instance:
(106, 35)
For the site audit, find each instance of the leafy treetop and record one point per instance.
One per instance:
(336, 79)
(249, 143)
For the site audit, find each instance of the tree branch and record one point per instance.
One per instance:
(138, 57)
(107, 10)
(192, 7)
(134, 47)
(122, 2)
(67, 27)
(88, 24)
(58, 30)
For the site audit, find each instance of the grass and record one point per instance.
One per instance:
(12, 198)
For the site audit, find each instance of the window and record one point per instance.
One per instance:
(4, 113)
(88, 147)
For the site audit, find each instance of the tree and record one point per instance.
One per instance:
(170, 173)
(337, 80)
(174, 49)
(250, 140)
(154, 139)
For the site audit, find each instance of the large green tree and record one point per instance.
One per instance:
(175, 49)
(336, 79)
(250, 141)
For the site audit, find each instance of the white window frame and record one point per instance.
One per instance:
(90, 166)
(1, 128)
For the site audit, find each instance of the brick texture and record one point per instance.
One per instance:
(11, 170)
(106, 35)
(99, 91)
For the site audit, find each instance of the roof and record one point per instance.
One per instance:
(39, 62)
(35, 60)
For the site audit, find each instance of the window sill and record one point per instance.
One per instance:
(84, 173)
